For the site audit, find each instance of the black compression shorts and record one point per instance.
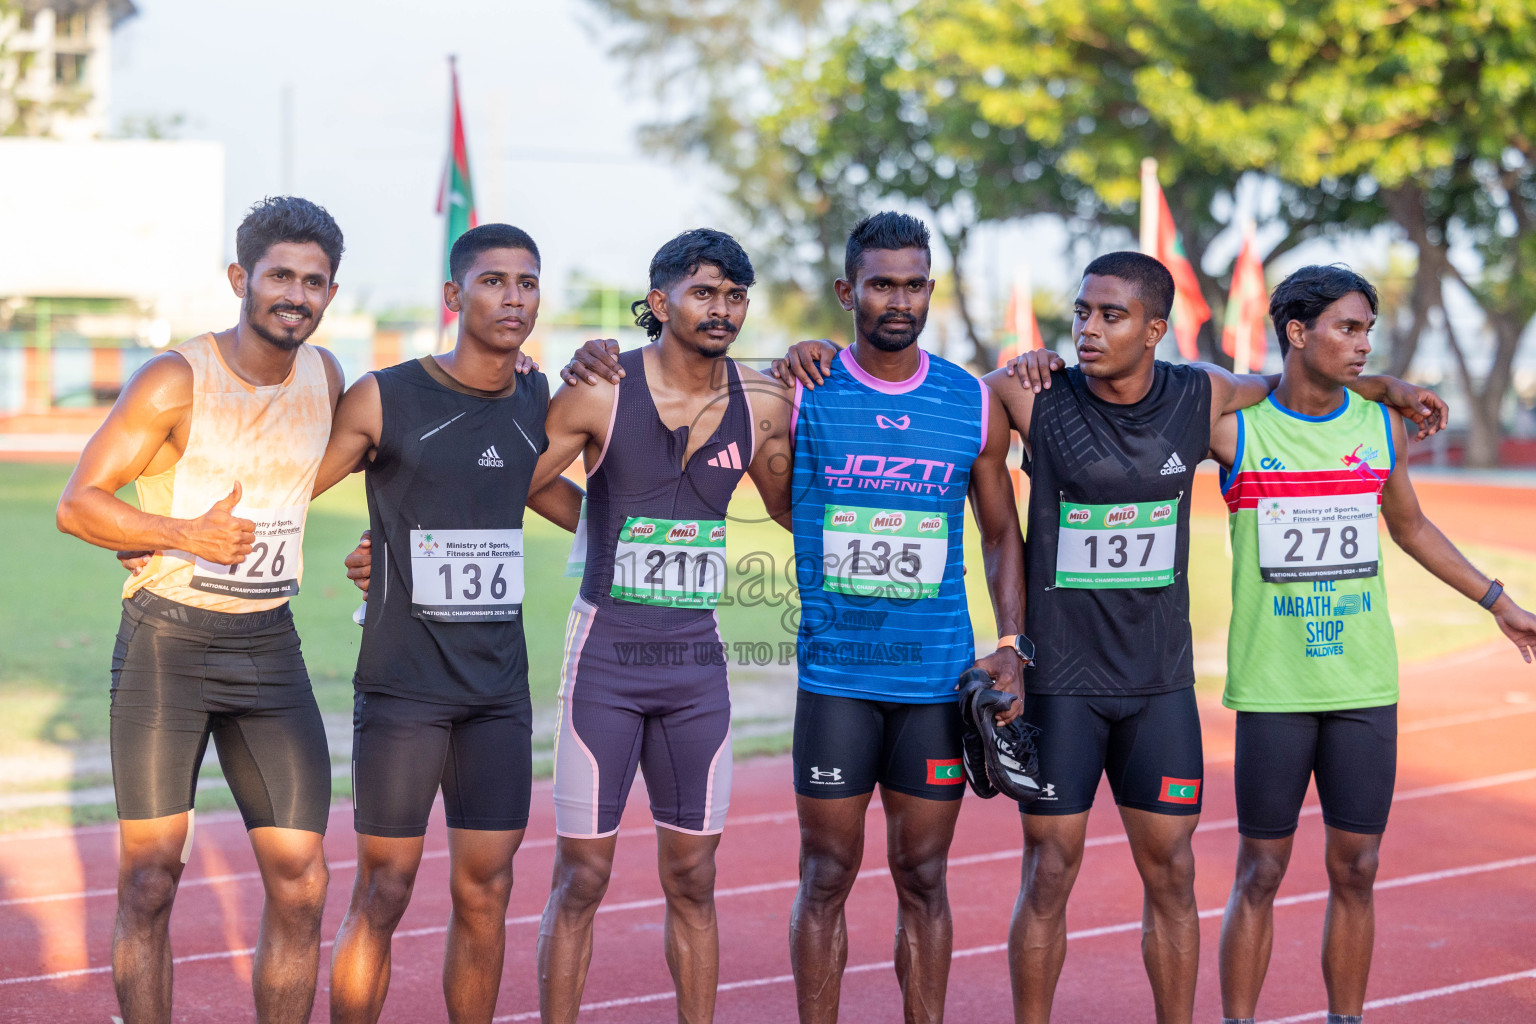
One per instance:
(181, 674)
(1352, 753)
(844, 746)
(404, 749)
(1148, 746)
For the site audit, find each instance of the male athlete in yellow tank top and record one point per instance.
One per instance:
(222, 437)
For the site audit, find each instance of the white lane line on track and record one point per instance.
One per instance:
(1091, 933)
(232, 817)
(1414, 997)
(778, 817)
(783, 884)
(773, 818)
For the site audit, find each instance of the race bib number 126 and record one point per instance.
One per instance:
(272, 567)
(1102, 547)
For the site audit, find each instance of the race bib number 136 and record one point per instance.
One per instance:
(1103, 547)
(466, 575)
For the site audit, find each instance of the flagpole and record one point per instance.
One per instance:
(444, 205)
(1149, 205)
(1242, 359)
(1023, 339)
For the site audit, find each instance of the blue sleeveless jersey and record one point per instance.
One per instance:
(890, 447)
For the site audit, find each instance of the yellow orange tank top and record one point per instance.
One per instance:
(271, 440)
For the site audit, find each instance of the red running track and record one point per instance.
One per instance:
(1454, 941)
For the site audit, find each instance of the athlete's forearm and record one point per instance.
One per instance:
(1002, 550)
(1427, 545)
(1375, 387)
(107, 521)
(1249, 389)
(559, 501)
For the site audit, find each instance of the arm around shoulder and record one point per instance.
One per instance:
(355, 433)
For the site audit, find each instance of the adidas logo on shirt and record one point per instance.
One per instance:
(491, 457)
(728, 458)
(1173, 465)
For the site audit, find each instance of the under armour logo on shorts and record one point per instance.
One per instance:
(828, 776)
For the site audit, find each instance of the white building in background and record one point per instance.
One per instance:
(56, 66)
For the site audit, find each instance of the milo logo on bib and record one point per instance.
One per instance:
(684, 532)
(887, 522)
(1077, 515)
(1120, 515)
(638, 531)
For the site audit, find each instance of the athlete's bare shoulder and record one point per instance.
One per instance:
(334, 375)
(1017, 397)
(160, 387)
(770, 399)
(584, 407)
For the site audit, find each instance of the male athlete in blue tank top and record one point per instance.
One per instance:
(887, 449)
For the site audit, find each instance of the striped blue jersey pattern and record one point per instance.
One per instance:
(904, 446)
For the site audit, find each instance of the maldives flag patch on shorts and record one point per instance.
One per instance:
(1179, 791)
(945, 773)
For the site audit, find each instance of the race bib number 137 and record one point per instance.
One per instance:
(1101, 547)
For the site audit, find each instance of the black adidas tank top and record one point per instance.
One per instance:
(446, 491)
(1096, 463)
(641, 473)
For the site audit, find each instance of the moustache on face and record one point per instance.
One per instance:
(904, 318)
(288, 307)
(717, 325)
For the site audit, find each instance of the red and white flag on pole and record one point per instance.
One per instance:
(456, 196)
(1021, 324)
(1160, 239)
(1243, 337)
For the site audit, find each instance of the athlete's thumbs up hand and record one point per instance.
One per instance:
(360, 562)
(1034, 368)
(219, 535)
(1518, 624)
(1003, 665)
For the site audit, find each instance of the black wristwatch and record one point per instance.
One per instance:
(1021, 645)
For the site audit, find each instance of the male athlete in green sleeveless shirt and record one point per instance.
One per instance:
(1311, 659)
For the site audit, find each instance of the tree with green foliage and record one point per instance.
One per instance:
(1415, 112)
(1420, 114)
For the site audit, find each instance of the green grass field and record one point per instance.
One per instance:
(60, 609)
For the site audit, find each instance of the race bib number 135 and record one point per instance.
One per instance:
(1103, 547)
(873, 552)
